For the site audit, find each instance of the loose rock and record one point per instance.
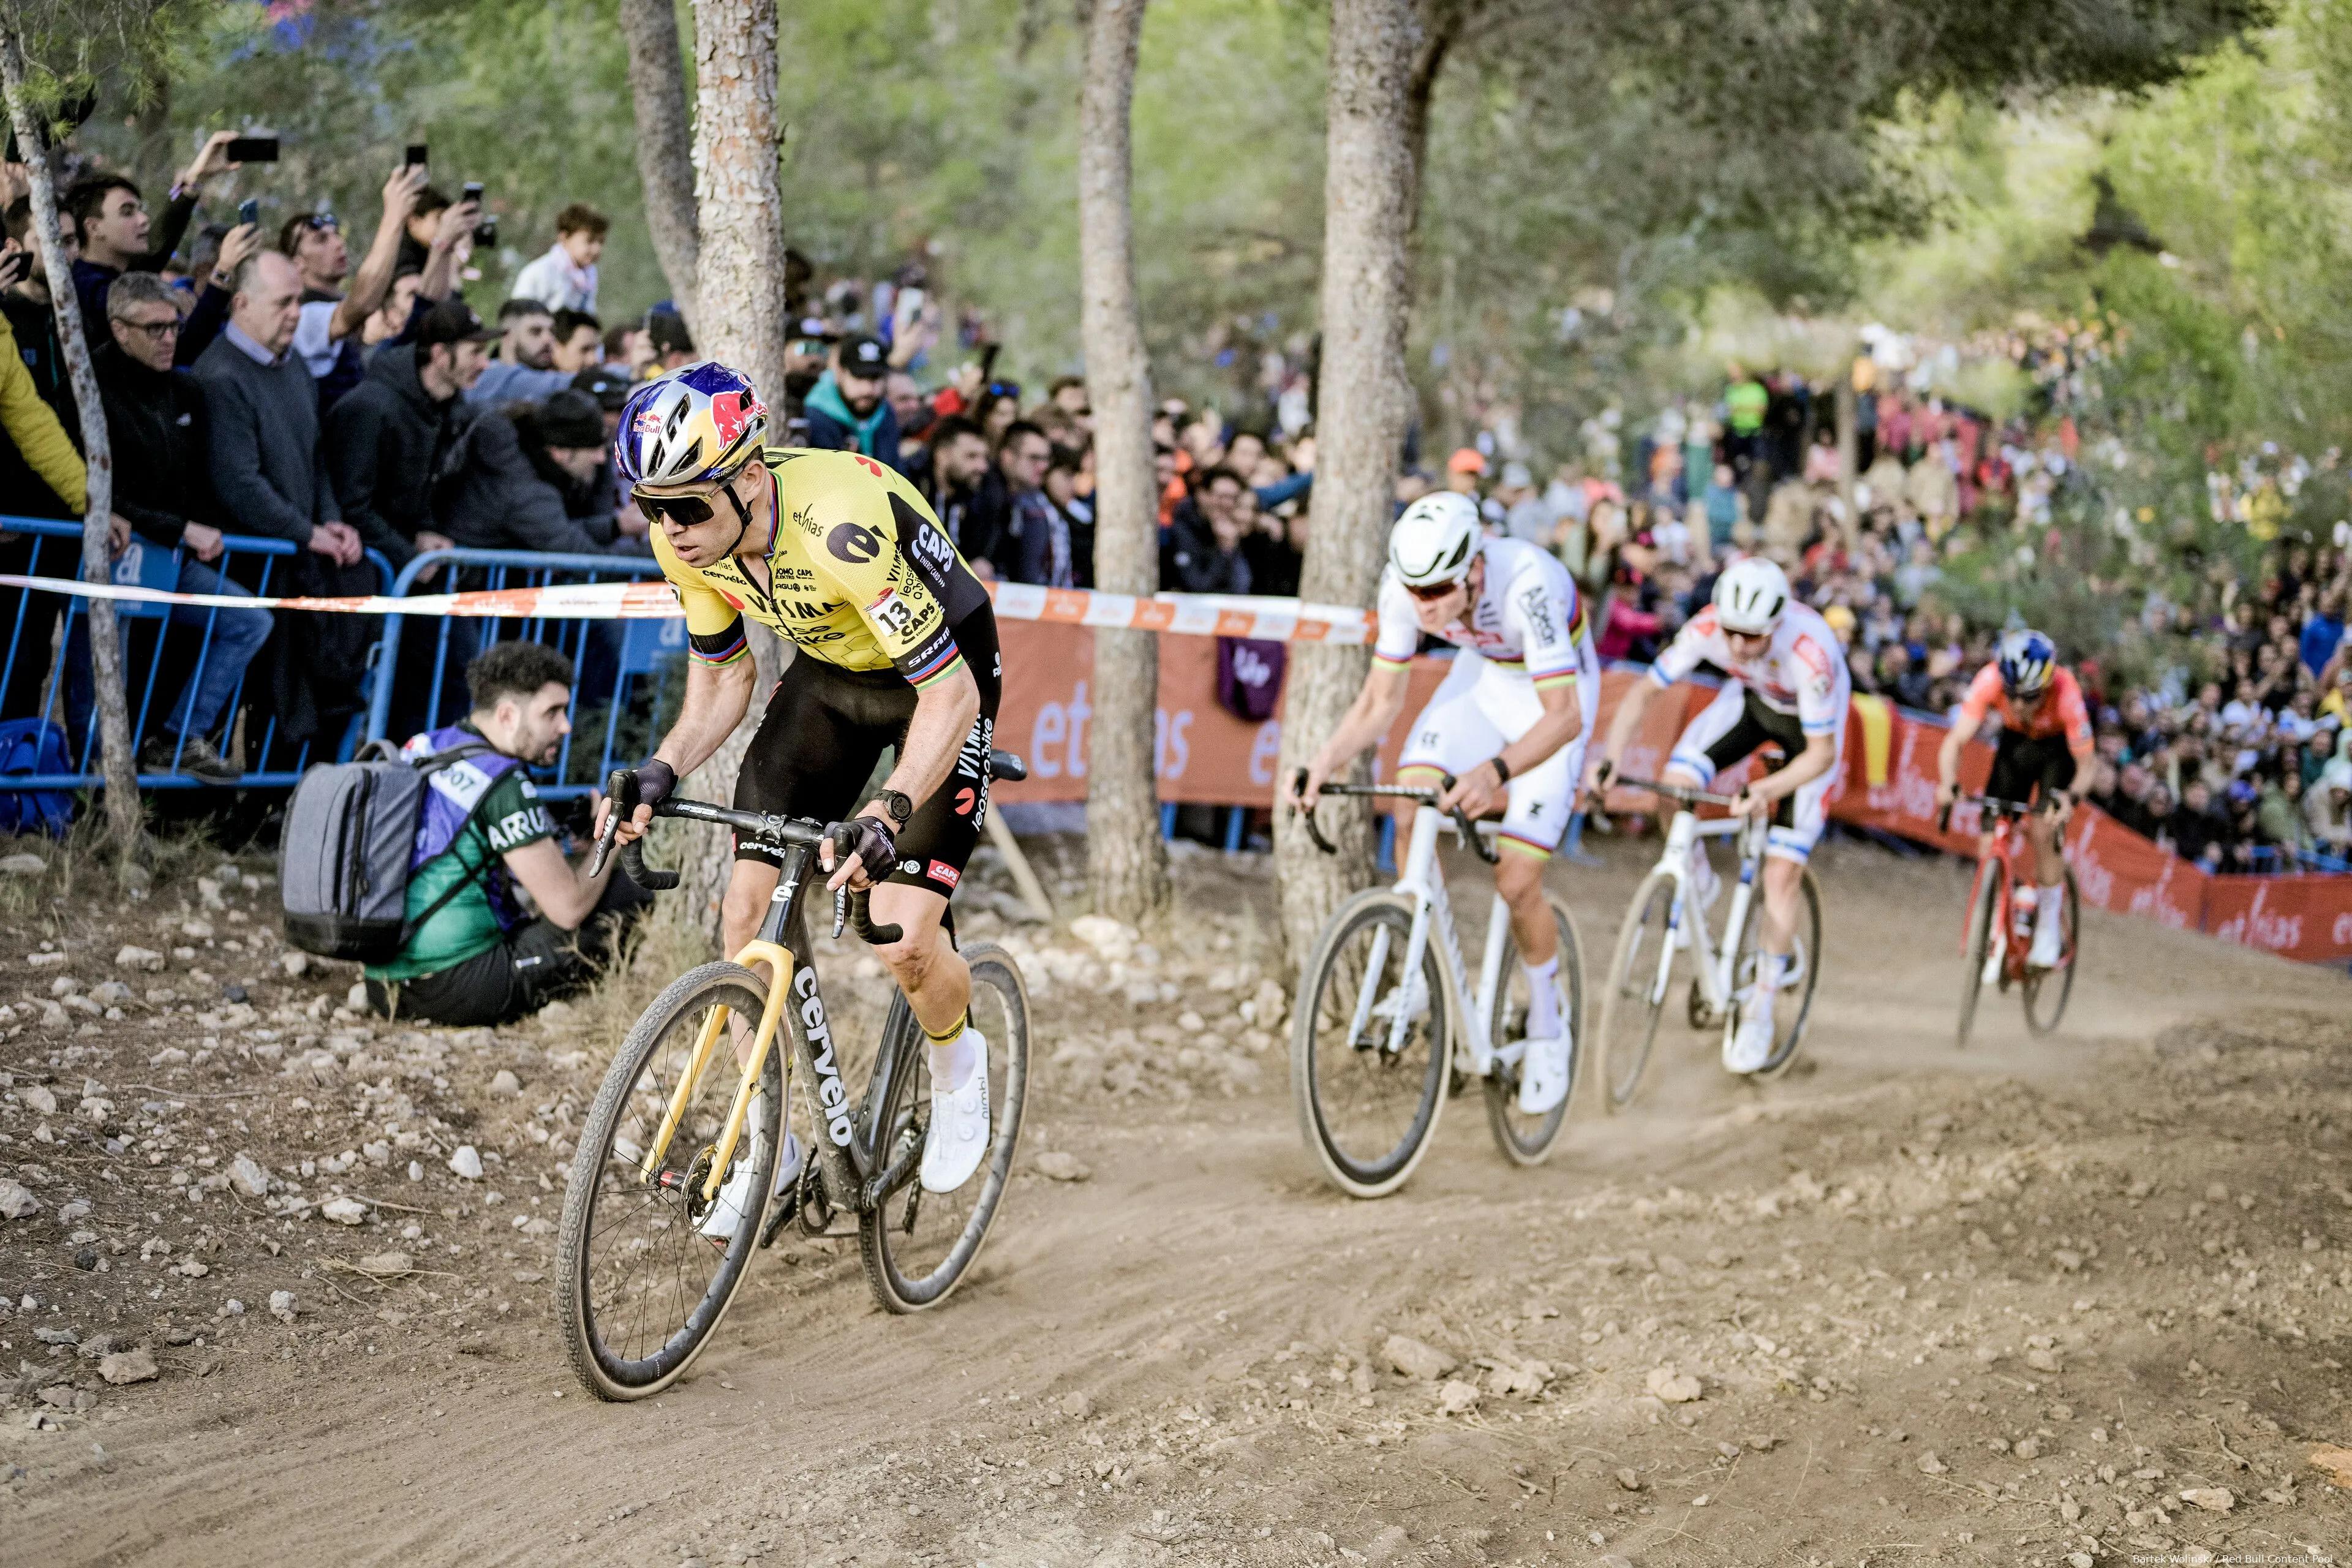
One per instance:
(249, 1177)
(1062, 1167)
(146, 961)
(16, 1202)
(466, 1162)
(504, 1083)
(385, 1265)
(22, 866)
(1675, 1388)
(1457, 1398)
(1931, 1465)
(1077, 1405)
(1413, 1359)
(2213, 1500)
(128, 1366)
(343, 1211)
(281, 1305)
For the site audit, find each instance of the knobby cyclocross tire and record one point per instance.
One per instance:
(1366, 1114)
(1805, 950)
(619, 1232)
(2052, 986)
(1527, 1140)
(1640, 977)
(902, 1234)
(1978, 943)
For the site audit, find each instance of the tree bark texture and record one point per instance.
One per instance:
(119, 767)
(664, 145)
(1370, 182)
(1126, 861)
(739, 301)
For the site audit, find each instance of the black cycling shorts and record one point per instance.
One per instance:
(2020, 761)
(1757, 726)
(825, 729)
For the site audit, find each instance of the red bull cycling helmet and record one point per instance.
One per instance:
(701, 422)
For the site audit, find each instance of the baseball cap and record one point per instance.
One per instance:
(453, 322)
(609, 387)
(1465, 460)
(865, 357)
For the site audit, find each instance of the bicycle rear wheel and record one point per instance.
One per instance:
(2046, 990)
(639, 1288)
(1526, 1140)
(1792, 1007)
(1982, 913)
(1366, 1112)
(917, 1246)
(1640, 974)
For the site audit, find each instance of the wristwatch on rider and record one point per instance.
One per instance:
(900, 808)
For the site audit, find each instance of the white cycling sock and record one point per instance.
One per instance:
(951, 1059)
(2046, 903)
(1771, 967)
(1543, 998)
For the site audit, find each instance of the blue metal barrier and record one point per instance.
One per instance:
(636, 652)
(57, 545)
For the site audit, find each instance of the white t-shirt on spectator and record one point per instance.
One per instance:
(313, 344)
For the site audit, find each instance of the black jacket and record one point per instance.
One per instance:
(155, 423)
(497, 491)
(386, 439)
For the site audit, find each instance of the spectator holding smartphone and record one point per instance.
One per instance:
(327, 336)
(119, 236)
(565, 277)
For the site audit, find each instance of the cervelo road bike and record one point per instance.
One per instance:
(1385, 999)
(1664, 920)
(639, 1289)
(1999, 935)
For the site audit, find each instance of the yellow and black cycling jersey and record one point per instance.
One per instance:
(860, 575)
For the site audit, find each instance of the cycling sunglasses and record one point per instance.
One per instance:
(691, 511)
(1430, 593)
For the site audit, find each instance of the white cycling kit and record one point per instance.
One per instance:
(1799, 688)
(1525, 634)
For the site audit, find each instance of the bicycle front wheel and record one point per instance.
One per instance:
(2046, 990)
(1370, 1049)
(1526, 1140)
(919, 1245)
(1641, 973)
(1983, 910)
(645, 1265)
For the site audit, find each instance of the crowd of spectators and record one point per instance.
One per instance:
(267, 385)
(264, 384)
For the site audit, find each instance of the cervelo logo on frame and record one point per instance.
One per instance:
(832, 1099)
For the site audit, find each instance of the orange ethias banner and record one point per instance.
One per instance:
(1205, 754)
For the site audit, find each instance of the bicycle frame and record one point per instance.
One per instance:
(1712, 964)
(1423, 881)
(849, 1150)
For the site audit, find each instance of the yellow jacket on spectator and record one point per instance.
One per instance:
(33, 425)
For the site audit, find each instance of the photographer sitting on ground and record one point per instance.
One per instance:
(479, 958)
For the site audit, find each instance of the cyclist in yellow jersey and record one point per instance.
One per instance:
(897, 645)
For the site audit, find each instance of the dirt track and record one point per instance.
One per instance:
(1993, 1308)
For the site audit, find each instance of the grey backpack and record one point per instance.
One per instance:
(343, 861)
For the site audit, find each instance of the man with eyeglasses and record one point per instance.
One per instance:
(896, 642)
(1508, 724)
(155, 420)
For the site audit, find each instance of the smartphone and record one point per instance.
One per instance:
(253, 149)
(415, 155)
(249, 210)
(472, 191)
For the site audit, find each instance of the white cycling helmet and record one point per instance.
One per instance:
(1749, 596)
(1435, 540)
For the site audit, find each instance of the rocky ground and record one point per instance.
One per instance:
(273, 1277)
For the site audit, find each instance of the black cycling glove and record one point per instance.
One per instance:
(656, 779)
(867, 838)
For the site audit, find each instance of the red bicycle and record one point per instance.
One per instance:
(1999, 930)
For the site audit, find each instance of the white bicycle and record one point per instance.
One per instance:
(1664, 921)
(1384, 1000)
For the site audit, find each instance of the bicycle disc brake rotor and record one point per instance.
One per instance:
(697, 1176)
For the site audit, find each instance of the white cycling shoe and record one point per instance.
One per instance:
(1751, 1045)
(958, 1140)
(733, 1204)
(1544, 1075)
(2049, 944)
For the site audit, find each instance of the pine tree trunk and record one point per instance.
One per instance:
(1127, 863)
(740, 299)
(664, 145)
(122, 813)
(1373, 144)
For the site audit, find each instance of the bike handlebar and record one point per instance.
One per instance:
(803, 832)
(1422, 793)
(1682, 793)
(1987, 803)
